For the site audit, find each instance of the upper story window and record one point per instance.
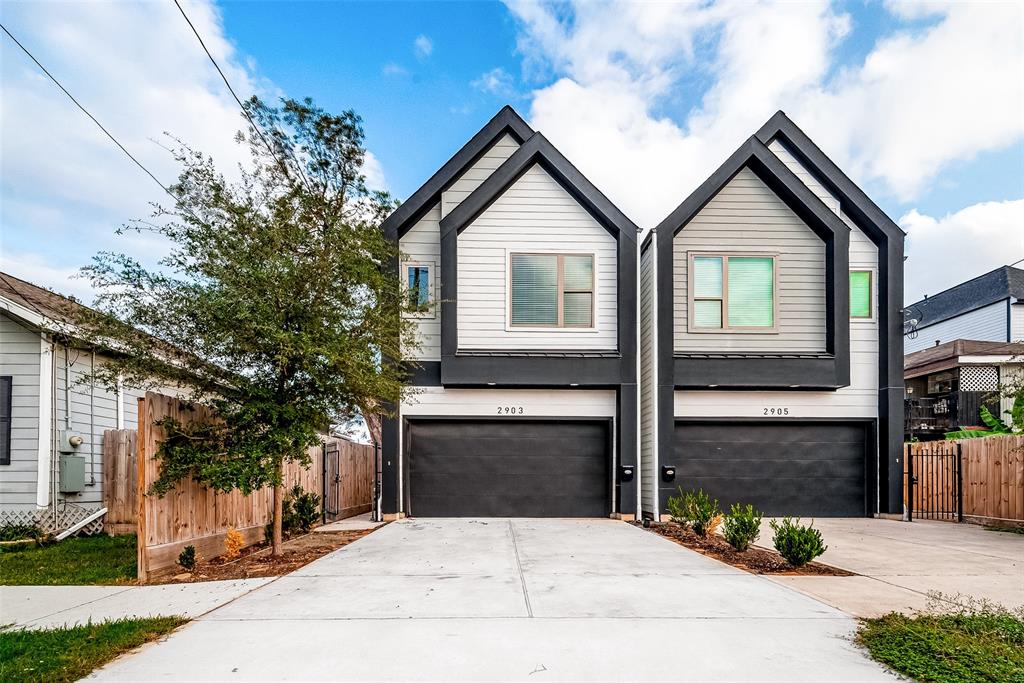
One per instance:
(732, 293)
(551, 290)
(861, 294)
(418, 286)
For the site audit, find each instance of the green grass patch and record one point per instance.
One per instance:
(980, 642)
(68, 654)
(76, 561)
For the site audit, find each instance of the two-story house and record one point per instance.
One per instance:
(524, 395)
(771, 339)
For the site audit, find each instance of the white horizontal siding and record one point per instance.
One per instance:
(983, 324)
(19, 358)
(1017, 322)
(860, 399)
(438, 401)
(747, 217)
(648, 382)
(535, 214)
(798, 169)
(477, 173)
(422, 244)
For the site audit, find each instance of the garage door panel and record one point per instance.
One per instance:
(508, 468)
(782, 468)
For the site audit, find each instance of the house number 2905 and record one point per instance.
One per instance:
(775, 412)
(510, 410)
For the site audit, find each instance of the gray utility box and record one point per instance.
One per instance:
(72, 473)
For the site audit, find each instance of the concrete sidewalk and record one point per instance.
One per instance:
(50, 606)
(495, 599)
(900, 563)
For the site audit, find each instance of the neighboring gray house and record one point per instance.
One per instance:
(989, 307)
(45, 410)
(771, 339)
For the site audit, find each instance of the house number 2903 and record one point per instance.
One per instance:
(776, 412)
(510, 410)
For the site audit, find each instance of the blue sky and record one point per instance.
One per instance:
(922, 103)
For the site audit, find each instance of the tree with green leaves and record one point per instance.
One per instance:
(277, 304)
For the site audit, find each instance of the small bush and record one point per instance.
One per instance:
(742, 526)
(797, 543)
(24, 532)
(233, 544)
(301, 510)
(695, 509)
(187, 558)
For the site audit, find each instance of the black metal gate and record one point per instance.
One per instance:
(935, 481)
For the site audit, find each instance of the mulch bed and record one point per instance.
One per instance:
(753, 560)
(256, 560)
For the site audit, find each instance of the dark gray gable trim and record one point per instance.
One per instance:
(829, 371)
(465, 369)
(888, 237)
(505, 121)
(537, 150)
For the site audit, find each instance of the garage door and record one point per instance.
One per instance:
(514, 468)
(812, 469)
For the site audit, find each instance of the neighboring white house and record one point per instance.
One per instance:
(989, 307)
(51, 423)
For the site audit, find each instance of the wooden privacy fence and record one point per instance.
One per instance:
(348, 479)
(190, 514)
(991, 470)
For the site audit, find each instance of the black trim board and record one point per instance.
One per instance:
(889, 239)
(505, 121)
(423, 373)
(462, 369)
(829, 371)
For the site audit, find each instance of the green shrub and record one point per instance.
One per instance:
(187, 558)
(23, 532)
(797, 543)
(742, 526)
(300, 511)
(696, 509)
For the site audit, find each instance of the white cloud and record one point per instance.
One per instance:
(497, 81)
(37, 270)
(920, 101)
(423, 46)
(958, 246)
(393, 69)
(374, 172)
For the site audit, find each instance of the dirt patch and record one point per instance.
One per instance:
(753, 560)
(256, 561)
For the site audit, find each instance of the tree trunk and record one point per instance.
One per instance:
(277, 535)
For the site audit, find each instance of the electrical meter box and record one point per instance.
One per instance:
(72, 473)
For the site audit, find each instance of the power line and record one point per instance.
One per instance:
(259, 131)
(87, 113)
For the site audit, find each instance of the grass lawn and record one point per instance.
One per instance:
(88, 560)
(973, 645)
(68, 654)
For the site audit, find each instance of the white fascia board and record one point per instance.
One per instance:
(988, 360)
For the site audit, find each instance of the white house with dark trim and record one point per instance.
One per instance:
(771, 339)
(525, 398)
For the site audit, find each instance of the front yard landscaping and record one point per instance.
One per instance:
(92, 560)
(68, 654)
(982, 642)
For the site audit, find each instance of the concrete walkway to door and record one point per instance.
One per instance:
(498, 599)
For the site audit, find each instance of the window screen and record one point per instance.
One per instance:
(6, 383)
(860, 294)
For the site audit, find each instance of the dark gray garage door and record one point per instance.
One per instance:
(513, 468)
(812, 469)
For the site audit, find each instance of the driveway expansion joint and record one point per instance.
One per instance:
(519, 568)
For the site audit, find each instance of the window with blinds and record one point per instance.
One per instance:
(551, 290)
(860, 294)
(6, 390)
(731, 292)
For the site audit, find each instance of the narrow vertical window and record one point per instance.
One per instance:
(419, 287)
(860, 294)
(708, 299)
(6, 389)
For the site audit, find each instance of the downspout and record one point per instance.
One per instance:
(638, 473)
(53, 440)
(92, 419)
(45, 423)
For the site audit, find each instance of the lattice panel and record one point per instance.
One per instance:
(979, 378)
(67, 515)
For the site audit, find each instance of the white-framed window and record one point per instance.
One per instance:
(732, 292)
(418, 280)
(862, 294)
(551, 290)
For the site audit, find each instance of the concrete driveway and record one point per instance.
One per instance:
(508, 600)
(900, 563)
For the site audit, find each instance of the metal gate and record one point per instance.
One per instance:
(349, 479)
(935, 481)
